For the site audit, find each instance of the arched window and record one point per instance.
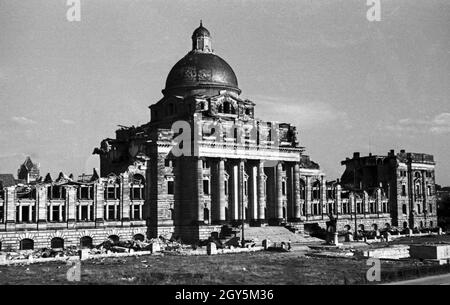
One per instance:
(57, 243)
(86, 242)
(26, 244)
(137, 187)
(417, 189)
(226, 107)
(139, 237)
(114, 239)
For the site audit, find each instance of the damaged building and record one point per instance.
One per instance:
(234, 169)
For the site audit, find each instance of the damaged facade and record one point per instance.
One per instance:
(238, 169)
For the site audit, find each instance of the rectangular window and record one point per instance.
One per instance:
(206, 186)
(136, 193)
(226, 186)
(111, 214)
(84, 212)
(283, 187)
(2, 215)
(55, 213)
(136, 212)
(170, 187)
(110, 193)
(25, 213)
(403, 190)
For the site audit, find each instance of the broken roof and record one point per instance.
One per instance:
(7, 180)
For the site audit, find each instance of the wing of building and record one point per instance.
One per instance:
(205, 162)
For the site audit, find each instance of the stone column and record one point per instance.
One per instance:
(261, 193)
(10, 205)
(234, 192)
(51, 212)
(379, 202)
(218, 192)
(221, 190)
(279, 192)
(106, 214)
(198, 202)
(125, 199)
(365, 202)
(253, 192)
(99, 202)
(308, 196)
(338, 199)
(60, 212)
(241, 167)
(71, 200)
(20, 212)
(323, 196)
(41, 207)
(297, 200)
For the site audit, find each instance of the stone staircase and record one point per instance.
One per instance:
(276, 234)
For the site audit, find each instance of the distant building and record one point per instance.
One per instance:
(408, 179)
(29, 171)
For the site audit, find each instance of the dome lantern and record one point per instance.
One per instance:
(201, 40)
(201, 70)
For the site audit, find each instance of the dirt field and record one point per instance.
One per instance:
(245, 268)
(249, 268)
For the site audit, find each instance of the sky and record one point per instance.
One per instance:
(347, 83)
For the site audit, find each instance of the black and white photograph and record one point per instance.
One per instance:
(224, 149)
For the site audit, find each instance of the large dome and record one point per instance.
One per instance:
(201, 69)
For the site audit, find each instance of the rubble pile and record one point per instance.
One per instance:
(109, 247)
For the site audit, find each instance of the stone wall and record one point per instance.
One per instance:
(71, 237)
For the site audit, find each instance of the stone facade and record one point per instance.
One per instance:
(407, 178)
(204, 161)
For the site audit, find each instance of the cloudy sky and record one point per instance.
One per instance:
(347, 83)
